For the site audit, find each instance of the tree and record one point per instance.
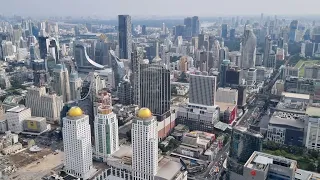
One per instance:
(311, 167)
(183, 78)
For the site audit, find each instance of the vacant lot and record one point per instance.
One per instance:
(37, 169)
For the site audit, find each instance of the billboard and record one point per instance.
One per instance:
(233, 115)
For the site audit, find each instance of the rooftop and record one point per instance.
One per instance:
(287, 119)
(167, 169)
(313, 111)
(34, 118)
(259, 160)
(295, 95)
(17, 109)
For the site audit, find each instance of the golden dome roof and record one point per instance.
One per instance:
(144, 113)
(75, 111)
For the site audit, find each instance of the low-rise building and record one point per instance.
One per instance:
(11, 149)
(15, 117)
(198, 117)
(35, 124)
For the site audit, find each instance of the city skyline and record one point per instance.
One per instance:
(165, 8)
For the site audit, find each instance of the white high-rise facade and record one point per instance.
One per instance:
(144, 146)
(77, 144)
(248, 50)
(75, 84)
(105, 129)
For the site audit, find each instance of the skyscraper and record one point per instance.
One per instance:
(188, 27)
(224, 31)
(248, 50)
(202, 90)
(105, 129)
(144, 145)
(43, 46)
(75, 85)
(61, 83)
(267, 50)
(225, 65)
(155, 91)
(125, 39)
(137, 56)
(77, 144)
(293, 30)
(195, 26)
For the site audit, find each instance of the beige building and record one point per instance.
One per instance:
(43, 104)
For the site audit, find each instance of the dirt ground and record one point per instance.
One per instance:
(39, 168)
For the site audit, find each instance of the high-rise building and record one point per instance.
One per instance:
(125, 39)
(137, 57)
(188, 27)
(293, 30)
(105, 129)
(144, 145)
(232, 34)
(61, 84)
(43, 104)
(155, 91)
(244, 141)
(202, 90)
(75, 85)
(248, 49)
(125, 92)
(43, 46)
(195, 26)
(223, 72)
(267, 50)
(224, 31)
(77, 144)
(144, 30)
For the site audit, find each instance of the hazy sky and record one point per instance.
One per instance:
(111, 8)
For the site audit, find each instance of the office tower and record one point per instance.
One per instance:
(179, 30)
(125, 93)
(61, 84)
(105, 129)
(155, 89)
(77, 144)
(232, 34)
(201, 40)
(15, 117)
(125, 39)
(137, 57)
(202, 90)
(54, 49)
(144, 30)
(145, 145)
(40, 76)
(244, 141)
(271, 61)
(216, 53)
(248, 51)
(188, 27)
(251, 78)
(195, 26)
(233, 76)
(75, 85)
(43, 46)
(293, 30)
(224, 31)
(223, 54)
(267, 50)
(43, 104)
(225, 65)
